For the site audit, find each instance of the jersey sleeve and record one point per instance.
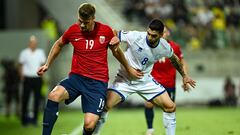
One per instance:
(65, 36)
(167, 49)
(110, 34)
(127, 36)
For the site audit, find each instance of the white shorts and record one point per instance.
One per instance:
(148, 89)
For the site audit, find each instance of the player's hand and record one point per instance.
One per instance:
(114, 41)
(187, 82)
(135, 73)
(42, 70)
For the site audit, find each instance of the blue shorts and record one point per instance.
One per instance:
(93, 92)
(171, 93)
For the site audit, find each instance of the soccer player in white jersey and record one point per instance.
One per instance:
(144, 49)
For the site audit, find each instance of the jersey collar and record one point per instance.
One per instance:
(150, 44)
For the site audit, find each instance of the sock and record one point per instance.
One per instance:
(149, 114)
(100, 123)
(86, 132)
(169, 121)
(50, 117)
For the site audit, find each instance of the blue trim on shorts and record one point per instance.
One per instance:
(156, 95)
(120, 94)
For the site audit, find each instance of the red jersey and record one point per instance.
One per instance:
(90, 50)
(163, 71)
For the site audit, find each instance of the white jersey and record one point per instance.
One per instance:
(140, 55)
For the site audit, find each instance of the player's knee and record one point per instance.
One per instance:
(148, 105)
(170, 108)
(54, 96)
(89, 125)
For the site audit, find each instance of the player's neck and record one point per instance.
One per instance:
(93, 26)
(152, 45)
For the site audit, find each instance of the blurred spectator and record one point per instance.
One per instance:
(50, 26)
(204, 17)
(133, 8)
(11, 81)
(30, 59)
(217, 22)
(229, 92)
(164, 10)
(151, 8)
(181, 14)
(219, 27)
(233, 18)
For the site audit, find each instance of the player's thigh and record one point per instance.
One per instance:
(113, 98)
(165, 102)
(58, 94)
(148, 104)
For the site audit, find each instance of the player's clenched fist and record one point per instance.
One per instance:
(42, 70)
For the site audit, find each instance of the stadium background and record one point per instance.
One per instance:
(209, 32)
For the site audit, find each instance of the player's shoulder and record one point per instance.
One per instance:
(173, 44)
(164, 42)
(40, 50)
(25, 50)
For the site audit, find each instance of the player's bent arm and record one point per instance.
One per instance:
(178, 65)
(55, 50)
(119, 55)
(185, 66)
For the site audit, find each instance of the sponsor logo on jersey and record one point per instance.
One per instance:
(102, 39)
(77, 39)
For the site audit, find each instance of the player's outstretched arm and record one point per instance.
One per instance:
(180, 68)
(55, 50)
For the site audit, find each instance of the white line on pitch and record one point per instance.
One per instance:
(77, 130)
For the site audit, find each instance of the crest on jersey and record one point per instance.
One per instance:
(139, 49)
(102, 39)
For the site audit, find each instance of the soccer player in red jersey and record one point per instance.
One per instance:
(165, 73)
(89, 72)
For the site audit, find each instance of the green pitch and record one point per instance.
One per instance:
(190, 121)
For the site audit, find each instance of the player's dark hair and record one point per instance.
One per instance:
(156, 25)
(86, 11)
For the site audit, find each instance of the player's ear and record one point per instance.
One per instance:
(161, 34)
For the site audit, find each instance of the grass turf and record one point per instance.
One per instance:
(190, 121)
